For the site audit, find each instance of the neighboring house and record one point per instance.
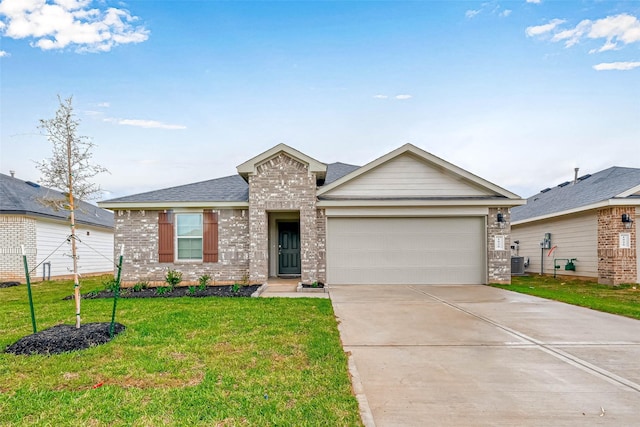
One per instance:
(593, 218)
(406, 218)
(25, 221)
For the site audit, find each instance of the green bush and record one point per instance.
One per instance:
(140, 286)
(111, 285)
(204, 281)
(173, 278)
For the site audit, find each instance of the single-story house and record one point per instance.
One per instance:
(408, 217)
(27, 220)
(592, 220)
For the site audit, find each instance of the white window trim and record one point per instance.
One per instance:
(176, 238)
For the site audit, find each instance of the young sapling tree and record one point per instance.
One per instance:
(69, 170)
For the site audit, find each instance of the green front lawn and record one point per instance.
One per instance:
(181, 361)
(623, 299)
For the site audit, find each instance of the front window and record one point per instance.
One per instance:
(189, 236)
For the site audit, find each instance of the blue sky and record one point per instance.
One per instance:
(173, 92)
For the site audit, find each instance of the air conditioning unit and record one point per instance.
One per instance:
(517, 265)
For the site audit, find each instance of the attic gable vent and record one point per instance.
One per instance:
(564, 184)
(545, 190)
(583, 177)
(33, 184)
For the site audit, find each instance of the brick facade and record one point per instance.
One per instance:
(499, 261)
(138, 231)
(16, 231)
(282, 184)
(616, 265)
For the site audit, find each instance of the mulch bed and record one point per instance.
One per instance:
(8, 284)
(181, 291)
(63, 338)
(317, 285)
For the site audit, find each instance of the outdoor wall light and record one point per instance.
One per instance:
(500, 217)
(626, 220)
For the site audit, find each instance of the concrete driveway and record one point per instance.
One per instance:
(481, 356)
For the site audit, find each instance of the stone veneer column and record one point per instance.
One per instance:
(286, 185)
(499, 261)
(616, 265)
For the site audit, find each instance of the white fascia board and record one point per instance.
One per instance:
(599, 205)
(172, 205)
(423, 211)
(428, 157)
(630, 192)
(405, 203)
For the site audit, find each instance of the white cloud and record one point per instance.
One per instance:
(58, 24)
(542, 29)
(619, 66)
(534, 1)
(404, 96)
(380, 96)
(4, 53)
(471, 13)
(103, 105)
(505, 13)
(615, 30)
(147, 124)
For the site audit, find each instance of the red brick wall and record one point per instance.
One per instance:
(615, 265)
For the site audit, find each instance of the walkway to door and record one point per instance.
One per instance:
(481, 356)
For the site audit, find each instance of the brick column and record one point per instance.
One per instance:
(616, 265)
(499, 261)
(16, 231)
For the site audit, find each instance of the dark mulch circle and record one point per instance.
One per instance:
(181, 291)
(63, 338)
(8, 284)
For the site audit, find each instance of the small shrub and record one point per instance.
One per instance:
(204, 281)
(245, 279)
(173, 278)
(140, 286)
(111, 285)
(192, 290)
(235, 287)
(163, 290)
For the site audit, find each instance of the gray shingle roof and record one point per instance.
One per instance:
(24, 198)
(337, 170)
(228, 189)
(595, 188)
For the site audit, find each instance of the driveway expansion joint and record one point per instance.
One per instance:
(549, 348)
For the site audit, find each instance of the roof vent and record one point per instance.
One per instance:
(545, 190)
(564, 184)
(583, 177)
(33, 184)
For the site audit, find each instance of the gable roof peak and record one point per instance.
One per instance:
(425, 157)
(250, 166)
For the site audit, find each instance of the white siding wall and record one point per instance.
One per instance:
(406, 176)
(576, 236)
(95, 250)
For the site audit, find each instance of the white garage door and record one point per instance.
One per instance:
(406, 250)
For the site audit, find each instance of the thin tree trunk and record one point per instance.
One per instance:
(76, 281)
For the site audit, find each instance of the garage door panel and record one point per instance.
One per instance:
(406, 250)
